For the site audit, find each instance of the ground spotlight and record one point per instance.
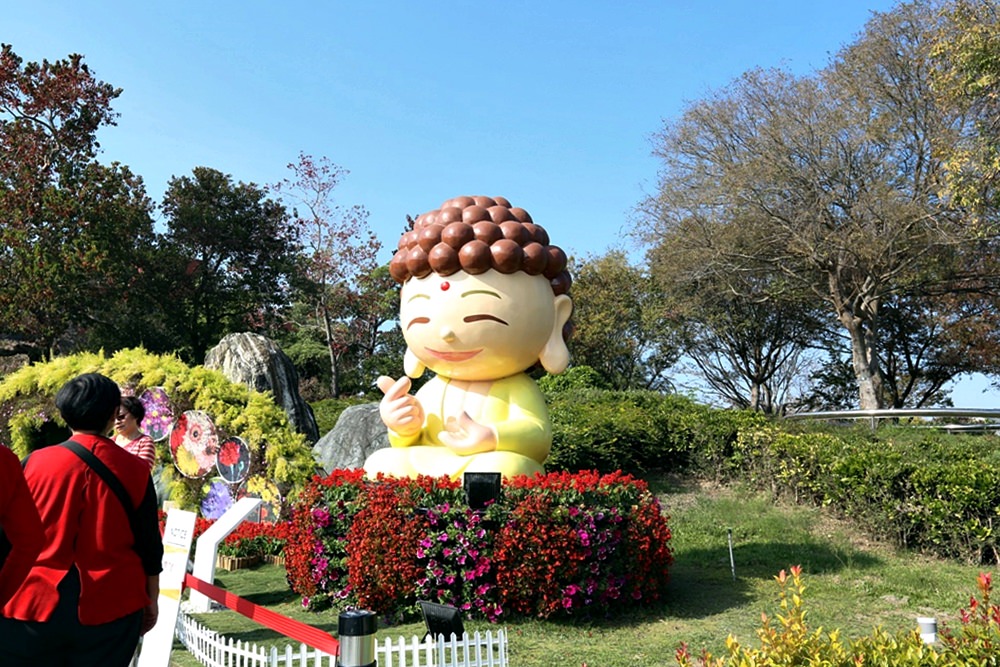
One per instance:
(481, 488)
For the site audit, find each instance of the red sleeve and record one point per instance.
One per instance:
(21, 524)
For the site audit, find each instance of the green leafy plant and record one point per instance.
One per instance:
(786, 639)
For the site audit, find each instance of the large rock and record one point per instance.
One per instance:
(255, 361)
(359, 432)
(13, 362)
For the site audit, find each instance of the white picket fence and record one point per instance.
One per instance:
(211, 649)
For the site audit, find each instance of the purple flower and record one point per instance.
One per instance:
(218, 499)
(322, 516)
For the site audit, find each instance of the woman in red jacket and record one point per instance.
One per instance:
(21, 525)
(92, 591)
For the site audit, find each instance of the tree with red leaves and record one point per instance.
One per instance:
(346, 297)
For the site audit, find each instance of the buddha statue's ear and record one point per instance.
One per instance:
(411, 365)
(555, 354)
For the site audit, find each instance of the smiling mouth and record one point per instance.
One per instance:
(453, 356)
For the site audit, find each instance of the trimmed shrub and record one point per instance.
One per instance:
(638, 431)
(920, 489)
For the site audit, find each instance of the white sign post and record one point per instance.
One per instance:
(208, 545)
(177, 536)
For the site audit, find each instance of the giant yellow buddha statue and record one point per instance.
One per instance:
(483, 299)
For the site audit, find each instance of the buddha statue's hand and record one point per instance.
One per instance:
(400, 412)
(465, 436)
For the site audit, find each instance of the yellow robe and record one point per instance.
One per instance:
(513, 407)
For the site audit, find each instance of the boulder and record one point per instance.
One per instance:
(257, 362)
(359, 432)
(11, 363)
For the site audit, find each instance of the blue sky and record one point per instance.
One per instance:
(548, 103)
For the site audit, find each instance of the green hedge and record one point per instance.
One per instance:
(920, 488)
(640, 431)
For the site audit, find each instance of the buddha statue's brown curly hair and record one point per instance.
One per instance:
(476, 234)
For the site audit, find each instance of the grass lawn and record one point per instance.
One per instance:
(852, 583)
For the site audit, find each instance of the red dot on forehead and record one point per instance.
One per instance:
(445, 285)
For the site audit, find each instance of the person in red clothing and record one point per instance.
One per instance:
(21, 525)
(127, 432)
(93, 589)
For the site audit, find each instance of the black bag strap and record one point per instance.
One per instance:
(109, 478)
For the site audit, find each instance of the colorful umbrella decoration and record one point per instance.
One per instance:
(159, 414)
(194, 443)
(267, 491)
(233, 460)
(218, 499)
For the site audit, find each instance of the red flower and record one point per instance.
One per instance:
(229, 455)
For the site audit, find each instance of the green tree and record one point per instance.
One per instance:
(69, 226)
(966, 77)
(621, 326)
(828, 181)
(230, 251)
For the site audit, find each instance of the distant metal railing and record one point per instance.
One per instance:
(894, 413)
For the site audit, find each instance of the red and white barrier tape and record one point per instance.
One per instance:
(289, 627)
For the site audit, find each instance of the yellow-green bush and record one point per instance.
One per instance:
(279, 452)
(786, 639)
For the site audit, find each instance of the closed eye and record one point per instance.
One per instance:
(482, 317)
(481, 291)
(418, 320)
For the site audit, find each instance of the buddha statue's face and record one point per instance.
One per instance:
(481, 327)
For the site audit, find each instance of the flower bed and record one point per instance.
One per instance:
(248, 544)
(557, 544)
(255, 540)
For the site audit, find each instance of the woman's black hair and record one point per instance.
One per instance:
(134, 407)
(88, 402)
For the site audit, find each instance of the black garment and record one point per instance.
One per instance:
(64, 642)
